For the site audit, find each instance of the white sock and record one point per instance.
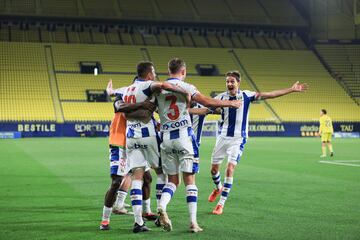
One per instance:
(120, 199)
(160, 183)
(167, 193)
(136, 200)
(146, 206)
(191, 199)
(106, 214)
(225, 191)
(217, 180)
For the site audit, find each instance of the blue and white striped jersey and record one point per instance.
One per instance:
(139, 92)
(235, 121)
(173, 108)
(197, 123)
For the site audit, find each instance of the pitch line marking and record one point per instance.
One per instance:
(342, 163)
(345, 161)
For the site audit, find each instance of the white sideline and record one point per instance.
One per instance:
(342, 162)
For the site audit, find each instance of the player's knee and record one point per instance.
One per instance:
(177, 183)
(115, 183)
(174, 180)
(214, 169)
(147, 178)
(230, 170)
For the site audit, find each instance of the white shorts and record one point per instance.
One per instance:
(118, 161)
(179, 152)
(143, 152)
(229, 147)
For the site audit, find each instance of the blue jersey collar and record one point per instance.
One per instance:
(169, 79)
(228, 93)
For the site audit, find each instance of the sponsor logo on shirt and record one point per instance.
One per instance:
(138, 146)
(177, 124)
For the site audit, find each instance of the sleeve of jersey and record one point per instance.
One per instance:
(147, 88)
(119, 92)
(252, 95)
(189, 88)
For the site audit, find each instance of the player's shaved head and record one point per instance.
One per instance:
(235, 74)
(175, 65)
(144, 68)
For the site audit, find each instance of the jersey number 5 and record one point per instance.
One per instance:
(175, 113)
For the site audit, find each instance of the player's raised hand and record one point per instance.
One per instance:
(235, 104)
(299, 87)
(109, 88)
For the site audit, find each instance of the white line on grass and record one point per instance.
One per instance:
(345, 161)
(341, 163)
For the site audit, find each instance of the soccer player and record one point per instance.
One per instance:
(179, 144)
(325, 131)
(142, 141)
(234, 132)
(118, 162)
(197, 115)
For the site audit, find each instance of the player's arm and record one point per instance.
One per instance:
(156, 87)
(139, 114)
(199, 111)
(109, 89)
(321, 127)
(120, 106)
(297, 87)
(215, 103)
(204, 111)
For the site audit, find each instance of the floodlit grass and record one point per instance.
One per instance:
(53, 188)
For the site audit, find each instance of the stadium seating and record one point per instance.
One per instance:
(24, 68)
(25, 91)
(212, 10)
(278, 14)
(175, 10)
(72, 87)
(140, 9)
(230, 11)
(23, 7)
(344, 61)
(84, 111)
(220, 57)
(60, 8)
(113, 58)
(276, 69)
(253, 13)
(140, 35)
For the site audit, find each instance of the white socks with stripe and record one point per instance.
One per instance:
(136, 200)
(217, 180)
(191, 199)
(225, 191)
(106, 214)
(167, 193)
(120, 199)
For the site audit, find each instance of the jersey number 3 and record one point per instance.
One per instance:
(175, 113)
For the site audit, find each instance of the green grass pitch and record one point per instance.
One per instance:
(53, 188)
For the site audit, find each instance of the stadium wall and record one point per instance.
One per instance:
(101, 129)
